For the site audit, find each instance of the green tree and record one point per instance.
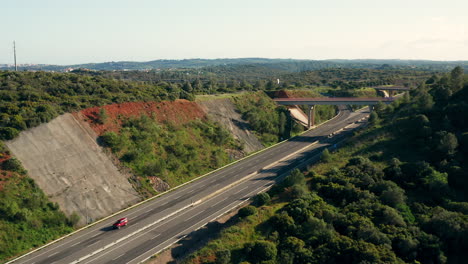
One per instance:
(456, 78)
(7, 133)
(446, 143)
(326, 156)
(393, 195)
(296, 177)
(187, 87)
(247, 211)
(374, 118)
(102, 116)
(223, 256)
(262, 199)
(263, 251)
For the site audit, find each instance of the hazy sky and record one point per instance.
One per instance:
(79, 31)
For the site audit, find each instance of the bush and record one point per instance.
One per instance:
(247, 211)
(373, 118)
(297, 191)
(223, 256)
(263, 251)
(7, 133)
(73, 219)
(295, 178)
(111, 140)
(326, 156)
(13, 164)
(102, 116)
(262, 199)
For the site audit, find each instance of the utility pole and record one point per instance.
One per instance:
(14, 52)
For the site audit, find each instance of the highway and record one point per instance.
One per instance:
(159, 223)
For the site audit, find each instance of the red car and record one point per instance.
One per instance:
(121, 222)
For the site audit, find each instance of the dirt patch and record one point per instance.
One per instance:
(176, 112)
(224, 112)
(158, 184)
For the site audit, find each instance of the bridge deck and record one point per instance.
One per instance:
(333, 101)
(394, 88)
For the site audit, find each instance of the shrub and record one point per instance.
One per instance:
(262, 199)
(109, 139)
(247, 211)
(73, 219)
(7, 133)
(223, 256)
(13, 164)
(326, 156)
(263, 251)
(102, 116)
(296, 177)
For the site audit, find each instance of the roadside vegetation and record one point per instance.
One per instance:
(27, 218)
(395, 193)
(270, 122)
(175, 153)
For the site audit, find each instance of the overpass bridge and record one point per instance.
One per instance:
(389, 91)
(312, 102)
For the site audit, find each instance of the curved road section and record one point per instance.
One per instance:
(159, 223)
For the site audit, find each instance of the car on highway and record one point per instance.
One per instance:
(120, 223)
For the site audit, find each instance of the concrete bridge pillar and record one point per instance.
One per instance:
(311, 119)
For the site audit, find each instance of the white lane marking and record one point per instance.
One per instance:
(75, 244)
(241, 190)
(201, 221)
(118, 256)
(186, 219)
(134, 234)
(91, 244)
(124, 242)
(155, 236)
(53, 254)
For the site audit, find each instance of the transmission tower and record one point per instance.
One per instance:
(14, 52)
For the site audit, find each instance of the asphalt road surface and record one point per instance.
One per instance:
(159, 223)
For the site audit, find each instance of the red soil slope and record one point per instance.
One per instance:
(176, 112)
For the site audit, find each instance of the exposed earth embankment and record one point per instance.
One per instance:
(224, 112)
(63, 158)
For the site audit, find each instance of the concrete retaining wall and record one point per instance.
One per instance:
(63, 158)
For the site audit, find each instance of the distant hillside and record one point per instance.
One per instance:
(290, 65)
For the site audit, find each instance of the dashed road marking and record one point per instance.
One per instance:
(118, 256)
